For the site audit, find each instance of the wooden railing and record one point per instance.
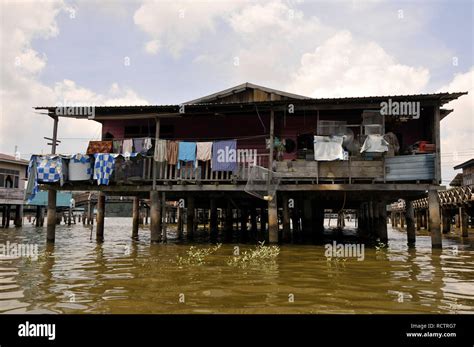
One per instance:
(11, 195)
(203, 171)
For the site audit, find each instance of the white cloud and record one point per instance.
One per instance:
(344, 66)
(457, 129)
(152, 46)
(177, 24)
(21, 90)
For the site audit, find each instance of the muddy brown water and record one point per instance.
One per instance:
(78, 275)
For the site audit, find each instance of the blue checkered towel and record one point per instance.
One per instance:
(49, 169)
(103, 168)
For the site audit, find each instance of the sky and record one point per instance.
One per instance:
(168, 52)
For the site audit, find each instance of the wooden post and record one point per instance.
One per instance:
(410, 218)
(286, 235)
(213, 227)
(263, 224)
(51, 218)
(418, 219)
(7, 225)
(4, 215)
(155, 217)
(179, 227)
(190, 218)
(434, 219)
(38, 216)
(244, 216)
(100, 217)
(228, 222)
(157, 136)
(135, 217)
(446, 219)
(463, 218)
(382, 222)
(307, 219)
(437, 143)
(19, 215)
(273, 221)
(164, 235)
(253, 223)
(272, 136)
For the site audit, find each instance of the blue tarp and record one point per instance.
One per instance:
(41, 199)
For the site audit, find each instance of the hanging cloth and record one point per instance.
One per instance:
(224, 156)
(172, 152)
(103, 168)
(186, 152)
(203, 151)
(160, 150)
(117, 146)
(99, 147)
(32, 185)
(127, 146)
(147, 144)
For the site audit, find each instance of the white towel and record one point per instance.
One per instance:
(204, 151)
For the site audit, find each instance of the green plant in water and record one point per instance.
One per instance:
(197, 256)
(260, 253)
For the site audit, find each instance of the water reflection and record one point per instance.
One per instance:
(78, 275)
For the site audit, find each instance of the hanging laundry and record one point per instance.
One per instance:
(203, 151)
(160, 150)
(224, 156)
(32, 185)
(147, 143)
(80, 168)
(139, 146)
(99, 147)
(186, 152)
(50, 169)
(172, 152)
(117, 146)
(103, 168)
(127, 146)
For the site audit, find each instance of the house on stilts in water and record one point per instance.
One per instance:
(273, 160)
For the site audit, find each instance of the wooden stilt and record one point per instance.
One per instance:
(164, 235)
(263, 225)
(155, 217)
(179, 222)
(410, 218)
(307, 219)
(273, 221)
(434, 220)
(38, 216)
(253, 223)
(213, 227)
(51, 218)
(135, 217)
(286, 234)
(18, 215)
(463, 219)
(229, 222)
(190, 226)
(100, 217)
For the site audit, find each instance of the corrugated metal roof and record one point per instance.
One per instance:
(11, 159)
(469, 162)
(444, 98)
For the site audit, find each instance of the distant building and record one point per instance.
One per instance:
(467, 172)
(13, 173)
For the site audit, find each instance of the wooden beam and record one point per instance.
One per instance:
(100, 217)
(437, 142)
(157, 136)
(273, 221)
(155, 217)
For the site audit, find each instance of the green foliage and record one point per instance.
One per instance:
(197, 256)
(260, 253)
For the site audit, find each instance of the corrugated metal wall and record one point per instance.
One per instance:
(410, 167)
